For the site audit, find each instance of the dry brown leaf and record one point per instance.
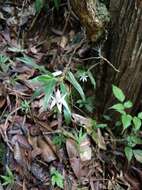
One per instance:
(2, 101)
(46, 152)
(74, 158)
(39, 172)
(18, 154)
(23, 142)
(85, 150)
(100, 139)
(64, 41)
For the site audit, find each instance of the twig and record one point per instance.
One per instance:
(71, 57)
(103, 58)
(6, 126)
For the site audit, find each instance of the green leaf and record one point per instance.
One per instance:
(118, 107)
(56, 3)
(137, 123)
(102, 125)
(38, 5)
(126, 120)
(16, 49)
(129, 153)
(118, 93)
(118, 124)
(48, 93)
(67, 112)
(91, 79)
(8, 178)
(140, 115)
(31, 62)
(70, 77)
(133, 140)
(57, 178)
(45, 78)
(3, 59)
(128, 104)
(138, 155)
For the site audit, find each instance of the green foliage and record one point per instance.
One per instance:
(129, 122)
(71, 78)
(126, 120)
(25, 106)
(57, 92)
(140, 115)
(85, 75)
(39, 5)
(137, 123)
(4, 66)
(66, 109)
(138, 155)
(8, 178)
(58, 140)
(31, 63)
(88, 104)
(56, 4)
(79, 136)
(118, 93)
(128, 152)
(128, 104)
(48, 89)
(57, 178)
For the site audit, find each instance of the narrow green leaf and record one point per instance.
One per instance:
(45, 78)
(56, 3)
(126, 120)
(128, 104)
(140, 115)
(67, 112)
(118, 93)
(129, 153)
(132, 140)
(48, 93)
(138, 155)
(137, 123)
(31, 62)
(92, 79)
(102, 125)
(70, 77)
(38, 5)
(3, 59)
(118, 107)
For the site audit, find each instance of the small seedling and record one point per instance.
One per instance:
(58, 140)
(4, 66)
(25, 106)
(128, 122)
(79, 136)
(57, 178)
(8, 178)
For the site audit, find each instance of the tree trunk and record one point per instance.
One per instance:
(126, 48)
(124, 45)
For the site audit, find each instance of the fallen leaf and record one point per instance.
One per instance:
(85, 150)
(46, 152)
(74, 158)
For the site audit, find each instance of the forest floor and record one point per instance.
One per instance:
(46, 142)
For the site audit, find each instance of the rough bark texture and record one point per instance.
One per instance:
(93, 16)
(126, 48)
(125, 51)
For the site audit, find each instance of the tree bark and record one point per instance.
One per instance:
(126, 48)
